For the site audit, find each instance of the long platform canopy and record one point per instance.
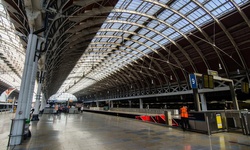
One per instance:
(97, 48)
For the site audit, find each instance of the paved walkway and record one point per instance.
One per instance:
(91, 131)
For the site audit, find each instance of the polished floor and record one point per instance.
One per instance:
(90, 131)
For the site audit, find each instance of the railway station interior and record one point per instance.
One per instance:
(115, 74)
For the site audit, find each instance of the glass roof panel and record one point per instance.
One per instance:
(133, 28)
(241, 2)
(155, 46)
(142, 40)
(157, 38)
(173, 18)
(190, 7)
(143, 31)
(174, 36)
(179, 4)
(141, 48)
(222, 9)
(203, 20)
(196, 14)
(11, 51)
(163, 41)
(187, 28)
(134, 52)
(151, 9)
(144, 7)
(134, 5)
(164, 1)
(149, 43)
(135, 37)
(146, 51)
(142, 20)
(153, 24)
(160, 27)
(140, 55)
(135, 44)
(129, 42)
(168, 31)
(151, 32)
(180, 24)
(165, 14)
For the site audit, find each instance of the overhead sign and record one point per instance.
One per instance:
(245, 87)
(208, 81)
(193, 81)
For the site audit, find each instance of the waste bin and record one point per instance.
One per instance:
(26, 131)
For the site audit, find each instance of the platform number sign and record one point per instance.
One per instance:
(193, 81)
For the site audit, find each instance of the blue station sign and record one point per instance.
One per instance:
(193, 81)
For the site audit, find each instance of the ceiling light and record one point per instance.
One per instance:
(220, 68)
(238, 71)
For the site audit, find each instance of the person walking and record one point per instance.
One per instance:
(184, 117)
(56, 109)
(82, 109)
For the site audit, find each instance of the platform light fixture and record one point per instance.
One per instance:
(171, 77)
(238, 71)
(220, 68)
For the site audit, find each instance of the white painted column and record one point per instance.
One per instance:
(203, 102)
(23, 100)
(43, 103)
(37, 103)
(141, 103)
(130, 103)
(196, 100)
(32, 86)
(111, 104)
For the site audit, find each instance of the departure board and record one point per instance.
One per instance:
(245, 87)
(205, 81)
(208, 81)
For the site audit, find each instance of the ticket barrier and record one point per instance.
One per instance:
(208, 122)
(220, 121)
(48, 110)
(73, 111)
(245, 122)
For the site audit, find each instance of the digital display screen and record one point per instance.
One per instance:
(205, 81)
(245, 87)
(208, 81)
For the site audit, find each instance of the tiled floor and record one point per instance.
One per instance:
(90, 131)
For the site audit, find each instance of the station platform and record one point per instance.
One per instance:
(94, 131)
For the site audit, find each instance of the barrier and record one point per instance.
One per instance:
(5, 110)
(160, 119)
(146, 111)
(48, 110)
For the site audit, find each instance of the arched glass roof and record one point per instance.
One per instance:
(62, 97)
(12, 53)
(135, 29)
